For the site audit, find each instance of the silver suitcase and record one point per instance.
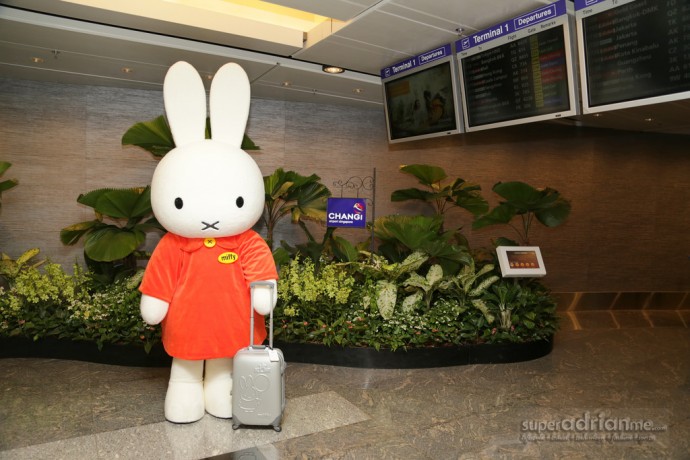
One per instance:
(258, 389)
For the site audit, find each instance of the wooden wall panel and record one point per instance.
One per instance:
(628, 230)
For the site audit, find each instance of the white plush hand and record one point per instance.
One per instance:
(262, 300)
(153, 310)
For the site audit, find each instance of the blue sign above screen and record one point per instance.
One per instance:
(532, 18)
(416, 61)
(582, 4)
(346, 212)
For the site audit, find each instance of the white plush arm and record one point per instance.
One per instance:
(261, 298)
(153, 310)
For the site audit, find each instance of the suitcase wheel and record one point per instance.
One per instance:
(235, 426)
(277, 428)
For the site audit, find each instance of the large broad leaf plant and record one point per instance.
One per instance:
(7, 183)
(441, 194)
(122, 219)
(300, 197)
(401, 236)
(545, 205)
(155, 137)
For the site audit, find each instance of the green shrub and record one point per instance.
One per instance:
(45, 301)
(463, 312)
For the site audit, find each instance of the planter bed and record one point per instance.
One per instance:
(123, 355)
(415, 358)
(128, 355)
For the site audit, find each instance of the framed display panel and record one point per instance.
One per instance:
(520, 71)
(520, 261)
(420, 96)
(633, 52)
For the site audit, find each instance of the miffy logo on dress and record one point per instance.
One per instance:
(228, 258)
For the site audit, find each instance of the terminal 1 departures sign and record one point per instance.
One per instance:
(346, 212)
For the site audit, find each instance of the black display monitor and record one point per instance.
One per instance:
(519, 71)
(420, 96)
(633, 53)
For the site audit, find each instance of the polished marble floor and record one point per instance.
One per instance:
(601, 393)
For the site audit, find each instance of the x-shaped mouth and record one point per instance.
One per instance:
(208, 226)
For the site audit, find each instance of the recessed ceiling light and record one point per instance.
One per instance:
(37, 60)
(332, 69)
(358, 90)
(286, 83)
(649, 119)
(127, 70)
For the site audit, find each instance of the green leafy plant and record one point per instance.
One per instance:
(46, 302)
(7, 183)
(520, 199)
(336, 305)
(461, 309)
(123, 217)
(300, 197)
(155, 136)
(440, 194)
(331, 247)
(10, 268)
(36, 304)
(400, 236)
(382, 280)
(470, 284)
(422, 287)
(524, 309)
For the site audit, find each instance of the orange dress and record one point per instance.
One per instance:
(206, 282)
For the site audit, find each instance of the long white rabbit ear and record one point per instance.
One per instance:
(185, 103)
(229, 104)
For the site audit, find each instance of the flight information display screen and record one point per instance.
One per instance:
(519, 71)
(636, 51)
(521, 79)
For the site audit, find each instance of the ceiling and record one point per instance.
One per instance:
(281, 45)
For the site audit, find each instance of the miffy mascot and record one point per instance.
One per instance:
(208, 193)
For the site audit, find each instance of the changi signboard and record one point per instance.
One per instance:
(346, 212)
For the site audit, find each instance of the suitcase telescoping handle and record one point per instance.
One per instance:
(251, 312)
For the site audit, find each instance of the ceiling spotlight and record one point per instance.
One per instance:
(286, 84)
(37, 60)
(358, 90)
(127, 70)
(332, 69)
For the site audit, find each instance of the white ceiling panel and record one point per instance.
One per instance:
(342, 10)
(374, 41)
(365, 89)
(473, 14)
(353, 54)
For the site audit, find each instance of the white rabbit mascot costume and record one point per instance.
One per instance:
(208, 193)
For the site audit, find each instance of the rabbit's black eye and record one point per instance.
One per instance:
(178, 203)
(239, 202)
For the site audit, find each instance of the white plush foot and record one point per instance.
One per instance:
(218, 386)
(184, 401)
